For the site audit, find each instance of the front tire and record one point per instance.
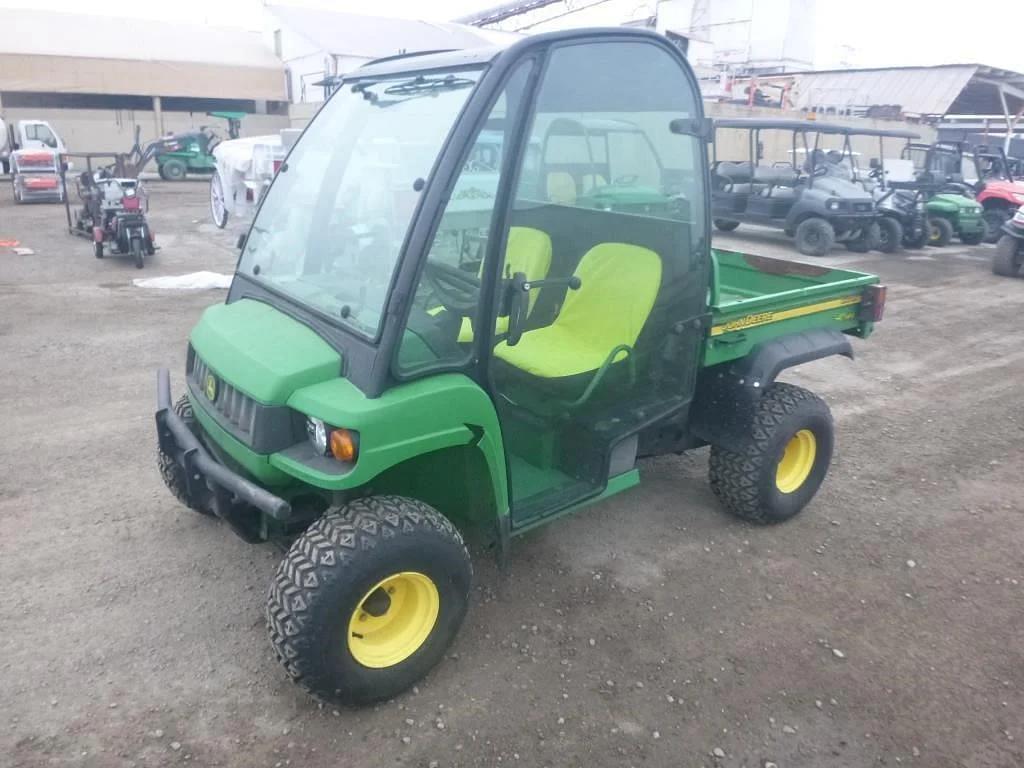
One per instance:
(1007, 260)
(866, 240)
(783, 460)
(138, 255)
(994, 219)
(814, 237)
(218, 207)
(368, 599)
(97, 250)
(890, 235)
(940, 232)
(973, 238)
(173, 475)
(726, 225)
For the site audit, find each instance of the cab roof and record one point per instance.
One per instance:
(810, 126)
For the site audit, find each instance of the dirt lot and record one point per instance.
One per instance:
(882, 626)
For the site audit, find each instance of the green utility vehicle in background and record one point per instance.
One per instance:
(951, 207)
(426, 337)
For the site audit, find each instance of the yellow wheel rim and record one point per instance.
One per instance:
(797, 461)
(393, 620)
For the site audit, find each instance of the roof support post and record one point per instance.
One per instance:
(1011, 120)
(158, 116)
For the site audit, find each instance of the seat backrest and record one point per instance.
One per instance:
(618, 286)
(528, 251)
(592, 181)
(561, 187)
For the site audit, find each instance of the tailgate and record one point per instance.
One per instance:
(756, 298)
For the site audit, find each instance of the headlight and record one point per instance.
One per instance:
(317, 432)
(340, 443)
(832, 205)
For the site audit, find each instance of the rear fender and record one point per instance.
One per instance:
(728, 394)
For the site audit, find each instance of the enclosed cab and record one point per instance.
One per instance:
(450, 318)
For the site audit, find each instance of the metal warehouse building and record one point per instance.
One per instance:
(163, 77)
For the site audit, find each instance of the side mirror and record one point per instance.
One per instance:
(240, 243)
(698, 127)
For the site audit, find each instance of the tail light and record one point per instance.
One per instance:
(872, 304)
(277, 166)
(97, 234)
(249, 197)
(131, 203)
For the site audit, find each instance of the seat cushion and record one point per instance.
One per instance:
(618, 286)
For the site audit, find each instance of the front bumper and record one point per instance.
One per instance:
(207, 479)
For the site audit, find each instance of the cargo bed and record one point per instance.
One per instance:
(757, 298)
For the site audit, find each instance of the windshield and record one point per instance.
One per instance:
(331, 228)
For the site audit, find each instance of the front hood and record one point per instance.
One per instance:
(261, 351)
(959, 201)
(1004, 188)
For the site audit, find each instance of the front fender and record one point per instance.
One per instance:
(406, 422)
(727, 394)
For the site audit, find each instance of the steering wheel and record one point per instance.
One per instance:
(820, 170)
(457, 289)
(626, 180)
(875, 173)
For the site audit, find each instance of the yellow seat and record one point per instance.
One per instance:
(561, 188)
(528, 251)
(618, 286)
(592, 181)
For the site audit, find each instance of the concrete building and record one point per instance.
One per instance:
(96, 78)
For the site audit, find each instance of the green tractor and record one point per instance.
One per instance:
(439, 326)
(951, 207)
(191, 152)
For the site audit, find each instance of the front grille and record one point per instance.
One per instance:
(236, 408)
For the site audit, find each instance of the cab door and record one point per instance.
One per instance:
(603, 280)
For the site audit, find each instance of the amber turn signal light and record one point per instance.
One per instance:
(343, 445)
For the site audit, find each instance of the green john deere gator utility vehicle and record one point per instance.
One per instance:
(419, 341)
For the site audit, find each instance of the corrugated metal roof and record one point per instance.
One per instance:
(916, 90)
(46, 33)
(352, 34)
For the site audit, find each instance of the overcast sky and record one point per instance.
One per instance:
(880, 32)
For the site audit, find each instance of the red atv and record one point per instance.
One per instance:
(997, 189)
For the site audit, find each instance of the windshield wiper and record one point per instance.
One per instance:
(414, 88)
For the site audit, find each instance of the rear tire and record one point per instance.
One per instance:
(1007, 259)
(172, 474)
(783, 459)
(173, 170)
(814, 237)
(994, 219)
(940, 232)
(725, 225)
(890, 235)
(331, 584)
(97, 250)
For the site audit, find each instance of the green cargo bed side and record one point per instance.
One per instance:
(755, 298)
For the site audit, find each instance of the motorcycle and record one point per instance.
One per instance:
(1010, 249)
(114, 211)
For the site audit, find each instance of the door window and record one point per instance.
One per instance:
(442, 327)
(41, 133)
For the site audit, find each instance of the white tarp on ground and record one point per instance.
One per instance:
(193, 281)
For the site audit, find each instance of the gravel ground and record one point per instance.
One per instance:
(881, 626)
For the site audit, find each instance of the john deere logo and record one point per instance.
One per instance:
(210, 387)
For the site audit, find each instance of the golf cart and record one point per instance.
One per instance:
(813, 201)
(899, 198)
(423, 341)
